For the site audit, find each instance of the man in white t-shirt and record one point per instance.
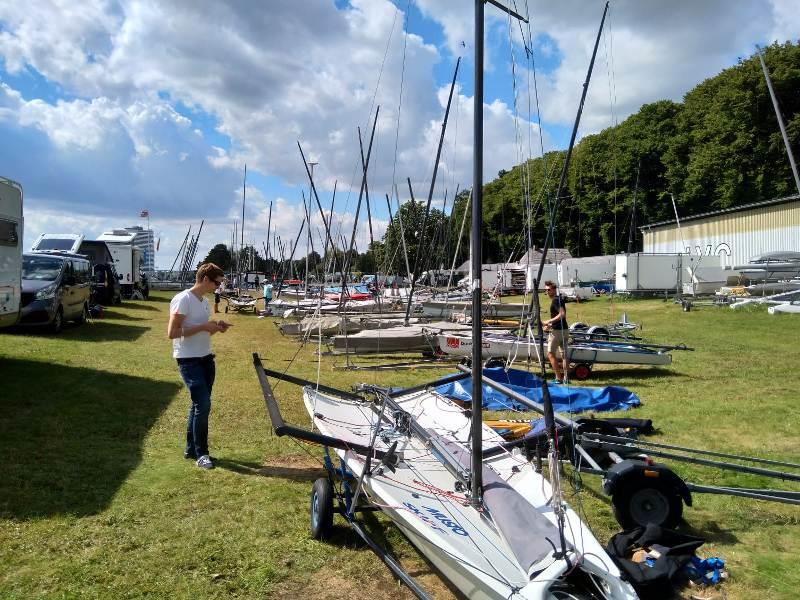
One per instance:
(190, 331)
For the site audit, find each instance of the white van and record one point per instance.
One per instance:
(11, 227)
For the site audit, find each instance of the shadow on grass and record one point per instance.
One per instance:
(70, 436)
(97, 330)
(141, 305)
(102, 331)
(108, 314)
(308, 474)
(633, 372)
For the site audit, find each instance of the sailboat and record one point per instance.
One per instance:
(484, 515)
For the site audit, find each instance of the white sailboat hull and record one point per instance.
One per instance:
(525, 349)
(421, 497)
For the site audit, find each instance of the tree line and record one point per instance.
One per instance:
(720, 147)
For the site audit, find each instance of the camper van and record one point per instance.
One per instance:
(127, 260)
(106, 287)
(11, 223)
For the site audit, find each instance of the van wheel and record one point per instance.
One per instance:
(58, 321)
(84, 315)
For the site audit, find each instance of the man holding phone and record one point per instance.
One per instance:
(190, 331)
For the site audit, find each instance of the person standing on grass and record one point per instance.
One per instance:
(267, 293)
(217, 292)
(559, 332)
(190, 331)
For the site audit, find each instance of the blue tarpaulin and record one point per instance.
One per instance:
(565, 398)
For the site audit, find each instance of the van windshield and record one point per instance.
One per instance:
(41, 268)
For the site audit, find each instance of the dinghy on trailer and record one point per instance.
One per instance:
(410, 454)
(483, 515)
(583, 355)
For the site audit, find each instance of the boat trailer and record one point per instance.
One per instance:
(642, 491)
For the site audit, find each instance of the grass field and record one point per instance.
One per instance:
(96, 500)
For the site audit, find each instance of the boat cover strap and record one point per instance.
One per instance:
(524, 528)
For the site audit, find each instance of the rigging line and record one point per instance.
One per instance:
(612, 99)
(407, 16)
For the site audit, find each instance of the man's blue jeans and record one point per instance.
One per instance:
(198, 375)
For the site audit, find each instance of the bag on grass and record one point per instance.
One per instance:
(650, 557)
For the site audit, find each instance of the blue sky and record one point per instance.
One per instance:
(107, 108)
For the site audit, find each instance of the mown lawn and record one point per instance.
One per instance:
(96, 499)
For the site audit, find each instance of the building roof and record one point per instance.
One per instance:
(534, 256)
(724, 211)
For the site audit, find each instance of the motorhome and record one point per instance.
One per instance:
(11, 227)
(127, 260)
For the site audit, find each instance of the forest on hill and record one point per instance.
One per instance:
(719, 148)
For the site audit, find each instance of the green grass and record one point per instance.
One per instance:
(97, 501)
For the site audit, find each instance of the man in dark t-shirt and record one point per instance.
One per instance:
(559, 332)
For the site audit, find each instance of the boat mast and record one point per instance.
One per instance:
(780, 118)
(549, 416)
(476, 480)
(241, 245)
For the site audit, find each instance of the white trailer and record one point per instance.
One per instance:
(642, 273)
(583, 272)
(494, 277)
(11, 228)
(127, 259)
(549, 273)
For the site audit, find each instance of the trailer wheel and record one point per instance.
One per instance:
(321, 508)
(495, 362)
(644, 501)
(582, 371)
(598, 332)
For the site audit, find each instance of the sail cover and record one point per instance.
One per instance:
(521, 525)
(566, 398)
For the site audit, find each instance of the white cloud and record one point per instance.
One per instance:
(268, 75)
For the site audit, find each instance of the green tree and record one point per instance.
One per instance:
(220, 256)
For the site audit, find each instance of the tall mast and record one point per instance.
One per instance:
(244, 200)
(476, 432)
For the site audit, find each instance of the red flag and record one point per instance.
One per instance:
(144, 214)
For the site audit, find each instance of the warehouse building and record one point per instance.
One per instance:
(735, 234)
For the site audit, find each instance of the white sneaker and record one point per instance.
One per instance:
(204, 462)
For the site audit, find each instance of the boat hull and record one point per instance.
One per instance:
(510, 347)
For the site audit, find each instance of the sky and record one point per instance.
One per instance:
(108, 108)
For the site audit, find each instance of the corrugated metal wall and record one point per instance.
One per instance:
(735, 237)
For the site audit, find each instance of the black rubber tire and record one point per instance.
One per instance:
(598, 332)
(494, 362)
(58, 321)
(578, 326)
(84, 316)
(646, 501)
(581, 371)
(321, 508)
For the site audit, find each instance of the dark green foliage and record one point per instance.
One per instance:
(720, 148)
(220, 255)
